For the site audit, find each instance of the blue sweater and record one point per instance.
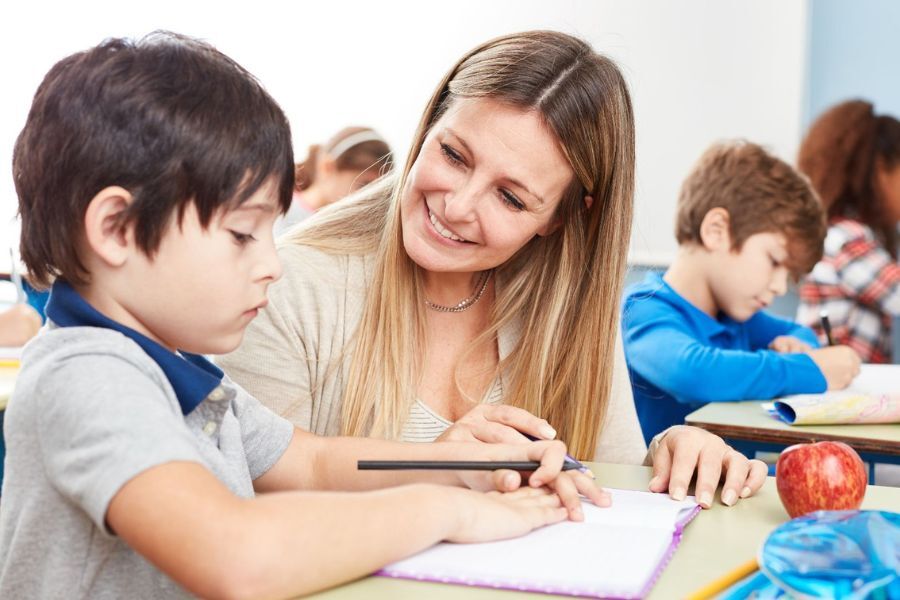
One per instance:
(679, 358)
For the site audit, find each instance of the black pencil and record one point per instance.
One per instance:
(453, 465)
(826, 325)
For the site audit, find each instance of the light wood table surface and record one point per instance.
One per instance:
(715, 542)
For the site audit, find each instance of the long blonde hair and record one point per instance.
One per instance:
(563, 288)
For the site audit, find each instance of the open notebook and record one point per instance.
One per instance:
(617, 552)
(873, 397)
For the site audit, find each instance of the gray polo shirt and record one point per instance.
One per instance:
(91, 410)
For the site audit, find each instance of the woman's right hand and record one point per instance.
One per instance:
(485, 517)
(839, 365)
(497, 424)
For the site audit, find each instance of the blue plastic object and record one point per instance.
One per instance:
(847, 554)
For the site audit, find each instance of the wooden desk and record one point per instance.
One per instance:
(748, 421)
(717, 541)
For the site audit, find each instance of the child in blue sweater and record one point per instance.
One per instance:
(746, 221)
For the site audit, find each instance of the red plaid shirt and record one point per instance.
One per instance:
(858, 283)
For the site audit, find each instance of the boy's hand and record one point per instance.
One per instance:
(568, 486)
(497, 516)
(839, 365)
(788, 344)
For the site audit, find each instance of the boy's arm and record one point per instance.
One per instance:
(666, 355)
(183, 520)
(764, 328)
(330, 463)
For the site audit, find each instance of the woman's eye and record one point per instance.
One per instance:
(242, 238)
(510, 200)
(451, 154)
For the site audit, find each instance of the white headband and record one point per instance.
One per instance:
(355, 139)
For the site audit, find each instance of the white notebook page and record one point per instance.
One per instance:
(616, 552)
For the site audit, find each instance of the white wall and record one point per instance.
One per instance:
(699, 70)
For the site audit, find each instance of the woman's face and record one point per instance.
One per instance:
(488, 179)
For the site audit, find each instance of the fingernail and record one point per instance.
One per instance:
(589, 473)
(746, 491)
(678, 493)
(729, 497)
(654, 482)
(547, 432)
(605, 500)
(706, 499)
(577, 513)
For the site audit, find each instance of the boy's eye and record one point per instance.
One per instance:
(451, 154)
(241, 238)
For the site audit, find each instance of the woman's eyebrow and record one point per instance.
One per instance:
(513, 181)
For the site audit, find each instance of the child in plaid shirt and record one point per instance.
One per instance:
(852, 157)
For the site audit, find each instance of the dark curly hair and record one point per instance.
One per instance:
(841, 155)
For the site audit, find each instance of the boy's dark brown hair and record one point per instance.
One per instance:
(761, 194)
(169, 118)
(841, 154)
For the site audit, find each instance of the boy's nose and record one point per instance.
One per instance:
(270, 264)
(779, 282)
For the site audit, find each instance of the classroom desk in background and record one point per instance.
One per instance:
(748, 421)
(716, 542)
(7, 381)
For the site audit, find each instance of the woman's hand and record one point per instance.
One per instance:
(685, 450)
(568, 486)
(788, 344)
(497, 424)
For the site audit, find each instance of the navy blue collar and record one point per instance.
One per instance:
(192, 376)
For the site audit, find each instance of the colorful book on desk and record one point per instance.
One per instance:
(873, 397)
(616, 552)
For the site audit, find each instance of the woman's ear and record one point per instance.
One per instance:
(715, 230)
(106, 236)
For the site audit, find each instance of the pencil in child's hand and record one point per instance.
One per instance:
(826, 325)
(453, 465)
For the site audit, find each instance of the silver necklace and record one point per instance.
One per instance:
(465, 302)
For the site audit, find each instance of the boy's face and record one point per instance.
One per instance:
(202, 287)
(746, 281)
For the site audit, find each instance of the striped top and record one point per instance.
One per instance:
(425, 425)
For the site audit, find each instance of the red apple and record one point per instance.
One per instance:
(820, 476)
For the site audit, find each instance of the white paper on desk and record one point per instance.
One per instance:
(873, 397)
(616, 552)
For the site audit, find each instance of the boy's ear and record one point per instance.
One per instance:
(715, 230)
(105, 235)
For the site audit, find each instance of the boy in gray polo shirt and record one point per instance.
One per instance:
(149, 175)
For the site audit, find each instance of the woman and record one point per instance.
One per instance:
(852, 157)
(489, 271)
